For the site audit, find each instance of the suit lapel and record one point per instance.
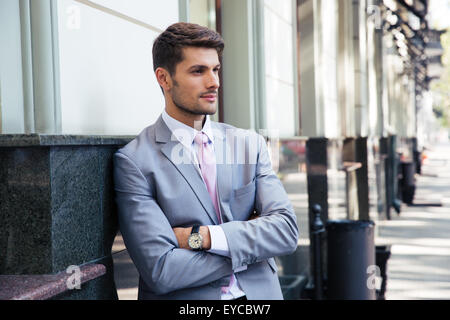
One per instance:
(180, 158)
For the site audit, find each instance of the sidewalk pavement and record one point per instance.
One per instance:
(419, 267)
(126, 275)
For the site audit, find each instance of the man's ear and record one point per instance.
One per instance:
(164, 79)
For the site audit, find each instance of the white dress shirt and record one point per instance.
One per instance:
(219, 245)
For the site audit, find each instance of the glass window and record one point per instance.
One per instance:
(203, 12)
(291, 169)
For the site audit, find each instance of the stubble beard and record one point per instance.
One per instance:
(186, 107)
(196, 110)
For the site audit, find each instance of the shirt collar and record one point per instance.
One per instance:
(184, 133)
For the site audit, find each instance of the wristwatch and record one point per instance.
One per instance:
(195, 240)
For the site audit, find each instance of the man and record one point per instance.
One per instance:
(201, 211)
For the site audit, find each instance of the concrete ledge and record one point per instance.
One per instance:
(34, 140)
(45, 286)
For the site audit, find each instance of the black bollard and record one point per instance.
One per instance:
(317, 230)
(350, 258)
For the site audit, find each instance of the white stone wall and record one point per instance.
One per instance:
(106, 72)
(11, 96)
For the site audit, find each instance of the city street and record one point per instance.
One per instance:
(419, 267)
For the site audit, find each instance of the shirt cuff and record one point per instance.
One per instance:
(219, 244)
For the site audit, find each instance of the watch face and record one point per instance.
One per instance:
(195, 241)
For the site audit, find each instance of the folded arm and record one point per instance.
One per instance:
(151, 241)
(275, 231)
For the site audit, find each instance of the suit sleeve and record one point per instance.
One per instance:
(150, 240)
(275, 232)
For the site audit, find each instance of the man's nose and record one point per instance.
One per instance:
(213, 80)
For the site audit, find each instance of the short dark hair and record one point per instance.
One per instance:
(168, 46)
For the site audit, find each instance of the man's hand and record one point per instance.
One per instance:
(253, 216)
(183, 234)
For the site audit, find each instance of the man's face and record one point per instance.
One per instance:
(196, 81)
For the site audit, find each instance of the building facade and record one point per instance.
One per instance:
(340, 88)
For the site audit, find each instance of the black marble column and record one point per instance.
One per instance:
(355, 150)
(388, 180)
(350, 166)
(57, 205)
(317, 179)
(362, 177)
(316, 167)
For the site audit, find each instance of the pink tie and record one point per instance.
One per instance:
(207, 162)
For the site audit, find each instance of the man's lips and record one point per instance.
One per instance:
(209, 97)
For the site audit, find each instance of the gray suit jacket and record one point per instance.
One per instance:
(157, 189)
